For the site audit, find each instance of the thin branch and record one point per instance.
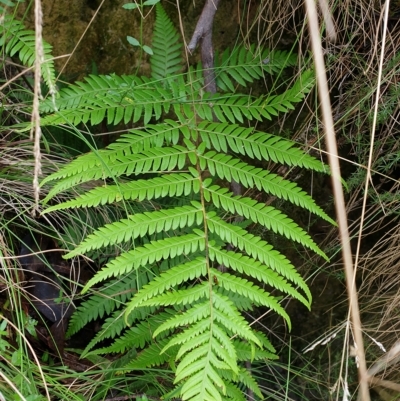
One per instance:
(203, 33)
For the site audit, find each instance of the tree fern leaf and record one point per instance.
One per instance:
(194, 330)
(258, 145)
(153, 188)
(228, 315)
(205, 384)
(113, 326)
(179, 297)
(139, 225)
(245, 353)
(256, 247)
(250, 290)
(166, 280)
(149, 357)
(166, 59)
(135, 337)
(253, 268)
(249, 64)
(247, 379)
(267, 216)
(111, 297)
(100, 96)
(227, 167)
(149, 253)
(234, 393)
(16, 40)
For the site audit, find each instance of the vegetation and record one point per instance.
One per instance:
(183, 226)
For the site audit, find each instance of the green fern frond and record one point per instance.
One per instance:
(167, 185)
(150, 357)
(16, 40)
(234, 108)
(246, 353)
(114, 295)
(149, 253)
(229, 168)
(179, 297)
(111, 97)
(139, 225)
(166, 280)
(256, 145)
(249, 290)
(113, 326)
(135, 337)
(244, 65)
(269, 217)
(178, 308)
(167, 58)
(255, 269)
(257, 248)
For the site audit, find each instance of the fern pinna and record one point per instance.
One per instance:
(177, 296)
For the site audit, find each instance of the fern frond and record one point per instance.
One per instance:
(135, 337)
(257, 248)
(166, 280)
(167, 58)
(114, 325)
(246, 288)
(193, 315)
(255, 269)
(235, 107)
(244, 65)
(179, 297)
(153, 136)
(149, 253)
(16, 40)
(108, 97)
(267, 216)
(229, 168)
(114, 295)
(139, 225)
(153, 188)
(150, 356)
(246, 353)
(256, 145)
(247, 379)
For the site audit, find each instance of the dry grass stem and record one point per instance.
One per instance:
(323, 92)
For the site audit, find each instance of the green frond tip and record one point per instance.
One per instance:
(167, 59)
